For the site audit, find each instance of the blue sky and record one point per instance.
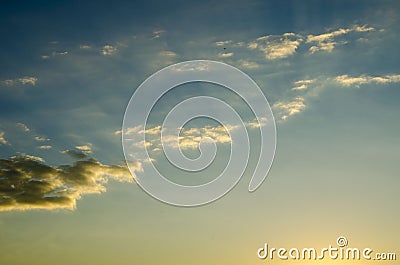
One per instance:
(328, 68)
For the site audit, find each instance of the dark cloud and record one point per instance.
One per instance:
(26, 183)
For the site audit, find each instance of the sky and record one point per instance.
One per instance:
(329, 69)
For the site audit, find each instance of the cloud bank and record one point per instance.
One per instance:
(27, 183)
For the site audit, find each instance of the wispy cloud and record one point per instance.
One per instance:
(326, 41)
(26, 80)
(40, 139)
(54, 54)
(75, 154)
(190, 68)
(277, 47)
(346, 80)
(45, 147)
(2, 139)
(302, 84)
(85, 47)
(225, 54)
(169, 54)
(84, 148)
(158, 33)
(23, 127)
(108, 50)
(248, 64)
(189, 138)
(286, 109)
(223, 43)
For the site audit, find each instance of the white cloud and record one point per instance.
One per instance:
(302, 84)
(248, 64)
(169, 54)
(190, 138)
(252, 45)
(85, 47)
(157, 34)
(289, 108)
(23, 127)
(2, 139)
(346, 80)
(31, 157)
(326, 42)
(225, 54)
(108, 50)
(45, 147)
(86, 149)
(257, 123)
(223, 43)
(26, 80)
(60, 53)
(54, 54)
(41, 138)
(363, 28)
(277, 47)
(138, 130)
(189, 68)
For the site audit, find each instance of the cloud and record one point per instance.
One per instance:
(41, 138)
(23, 127)
(248, 64)
(2, 139)
(85, 47)
(277, 47)
(346, 80)
(138, 130)
(157, 33)
(31, 157)
(45, 147)
(289, 108)
(75, 154)
(54, 54)
(302, 84)
(225, 54)
(108, 50)
(262, 121)
(188, 138)
(326, 42)
(169, 54)
(189, 68)
(84, 148)
(27, 183)
(26, 80)
(60, 53)
(223, 43)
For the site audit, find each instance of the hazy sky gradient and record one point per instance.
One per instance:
(330, 70)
